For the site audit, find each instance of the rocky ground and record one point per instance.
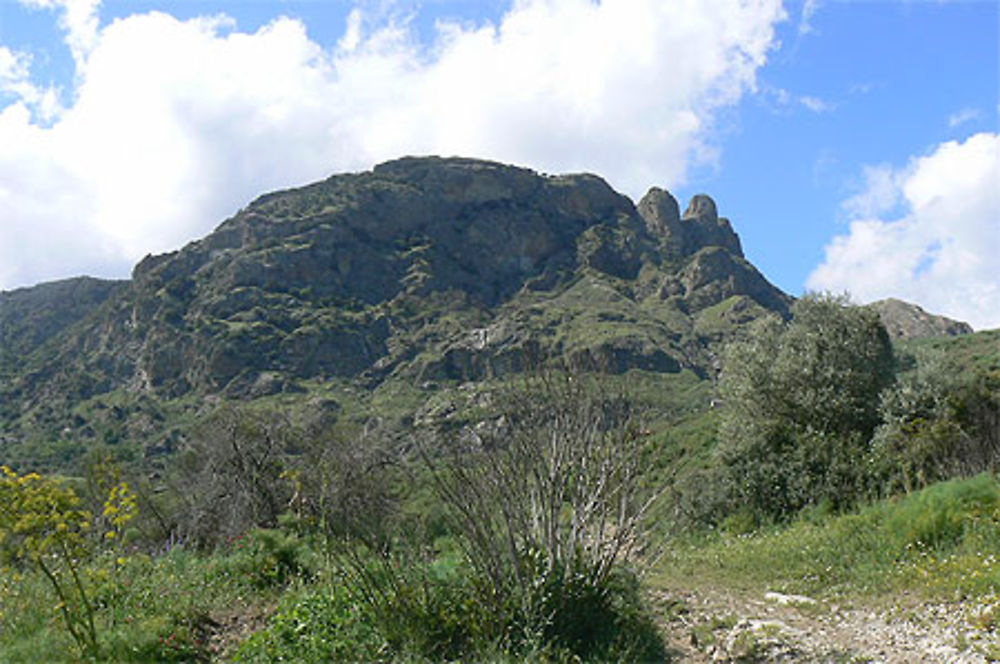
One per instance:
(722, 626)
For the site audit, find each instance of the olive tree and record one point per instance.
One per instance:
(801, 402)
(937, 424)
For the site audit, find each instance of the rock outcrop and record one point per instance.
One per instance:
(422, 269)
(698, 228)
(904, 320)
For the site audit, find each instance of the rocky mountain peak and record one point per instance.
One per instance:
(389, 273)
(906, 320)
(684, 235)
(662, 216)
(701, 208)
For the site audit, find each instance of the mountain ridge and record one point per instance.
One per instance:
(421, 270)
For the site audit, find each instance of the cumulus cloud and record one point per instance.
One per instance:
(928, 233)
(15, 82)
(79, 19)
(173, 124)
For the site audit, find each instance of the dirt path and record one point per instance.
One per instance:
(709, 625)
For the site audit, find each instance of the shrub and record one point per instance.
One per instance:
(320, 624)
(800, 406)
(549, 504)
(43, 525)
(267, 558)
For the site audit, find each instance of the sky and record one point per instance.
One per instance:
(853, 144)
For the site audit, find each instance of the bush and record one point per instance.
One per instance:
(320, 624)
(800, 404)
(268, 558)
(545, 504)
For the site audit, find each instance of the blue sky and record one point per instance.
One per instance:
(854, 144)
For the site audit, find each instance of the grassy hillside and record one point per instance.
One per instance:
(966, 354)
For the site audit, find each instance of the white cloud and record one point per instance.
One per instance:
(15, 81)
(961, 117)
(175, 124)
(880, 195)
(79, 19)
(809, 9)
(783, 101)
(815, 104)
(941, 251)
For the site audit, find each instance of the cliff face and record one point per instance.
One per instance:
(422, 269)
(905, 321)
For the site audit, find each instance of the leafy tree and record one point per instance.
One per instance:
(937, 425)
(801, 402)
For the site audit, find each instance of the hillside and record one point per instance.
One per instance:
(904, 320)
(378, 293)
(420, 272)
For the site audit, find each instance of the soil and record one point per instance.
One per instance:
(712, 625)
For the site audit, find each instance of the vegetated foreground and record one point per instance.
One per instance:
(521, 537)
(641, 451)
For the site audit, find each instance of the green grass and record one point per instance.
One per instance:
(149, 609)
(942, 542)
(966, 354)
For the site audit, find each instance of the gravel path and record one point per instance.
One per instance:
(718, 626)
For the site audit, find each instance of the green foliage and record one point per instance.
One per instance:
(321, 623)
(41, 523)
(434, 609)
(939, 516)
(800, 406)
(269, 558)
(942, 542)
(408, 608)
(936, 425)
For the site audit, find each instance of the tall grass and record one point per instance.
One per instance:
(941, 542)
(150, 608)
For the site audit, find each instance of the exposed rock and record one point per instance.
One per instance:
(662, 216)
(423, 269)
(715, 274)
(905, 320)
(789, 600)
(704, 228)
(698, 228)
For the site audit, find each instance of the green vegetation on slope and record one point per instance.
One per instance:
(941, 542)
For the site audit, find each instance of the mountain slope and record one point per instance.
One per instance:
(904, 321)
(421, 270)
(31, 316)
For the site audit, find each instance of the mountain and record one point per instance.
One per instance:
(31, 316)
(904, 320)
(422, 271)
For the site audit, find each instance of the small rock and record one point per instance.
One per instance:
(789, 600)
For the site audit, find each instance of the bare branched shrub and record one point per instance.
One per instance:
(546, 501)
(552, 486)
(348, 485)
(229, 478)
